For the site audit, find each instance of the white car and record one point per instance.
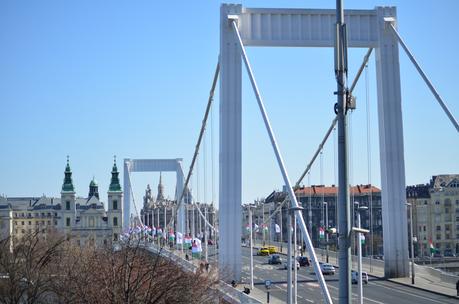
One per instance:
(293, 264)
(355, 277)
(327, 268)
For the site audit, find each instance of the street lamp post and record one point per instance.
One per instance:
(359, 249)
(289, 259)
(412, 242)
(326, 227)
(291, 262)
(251, 247)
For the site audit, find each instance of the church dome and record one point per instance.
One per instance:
(93, 183)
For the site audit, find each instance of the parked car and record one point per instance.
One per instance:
(294, 263)
(355, 277)
(263, 251)
(304, 261)
(327, 268)
(272, 249)
(275, 259)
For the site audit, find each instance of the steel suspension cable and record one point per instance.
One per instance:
(198, 144)
(424, 77)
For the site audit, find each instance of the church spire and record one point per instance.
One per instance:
(93, 189)
(115, 181)
(67, 186)
(160, 196)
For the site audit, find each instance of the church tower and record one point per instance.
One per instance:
(115, 206)
(160, 196)
(67, 201)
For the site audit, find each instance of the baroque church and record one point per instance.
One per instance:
(84, 220)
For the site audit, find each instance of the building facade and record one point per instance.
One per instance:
(84, 220)
(158, 212)
(436, 215)
(319, 209)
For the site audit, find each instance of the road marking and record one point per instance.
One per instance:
(411, 294)
(310, 301)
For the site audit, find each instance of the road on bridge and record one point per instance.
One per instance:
(376, 292)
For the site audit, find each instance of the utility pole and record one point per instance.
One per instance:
(205, 233)
(251, 247)
(410, 205)
(289, 259)
(326, 228)
(343, 196)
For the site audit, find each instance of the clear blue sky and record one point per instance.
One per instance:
(93, 79)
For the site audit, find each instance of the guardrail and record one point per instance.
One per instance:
(226, 292)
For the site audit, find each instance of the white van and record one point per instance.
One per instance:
(355, 277)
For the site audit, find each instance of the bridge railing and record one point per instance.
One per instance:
(226, 292)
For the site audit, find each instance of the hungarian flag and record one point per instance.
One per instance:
(321, 232)
(362, 239)
(265, 227)
(187, 239)
(247, 227)
(171, 236)
(432, 248)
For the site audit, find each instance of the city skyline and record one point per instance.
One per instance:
(92, 81)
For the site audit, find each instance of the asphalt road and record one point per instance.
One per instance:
(376, 292)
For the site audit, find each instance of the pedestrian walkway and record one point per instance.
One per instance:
(426, 278)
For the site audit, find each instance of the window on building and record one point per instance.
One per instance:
(49, 214)
(115, 205)
(446, 210)
(447, 236)
(115, 236)
(438, 228)
(67, 222)
(437, 203)
(424, 228)
(67, 205)
(22, 223)
(105, 242)
(115, 221)
(55, 223)
(438, 237)
(30, 223)
(23, 230)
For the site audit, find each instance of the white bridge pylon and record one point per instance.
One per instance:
(154, 165)
(311, 28)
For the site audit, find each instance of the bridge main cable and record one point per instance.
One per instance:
(196, 151)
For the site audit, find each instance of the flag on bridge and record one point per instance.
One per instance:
(321, 233)
(362, 239)
(277, 228)
(432, 248)
(247, 227)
